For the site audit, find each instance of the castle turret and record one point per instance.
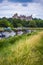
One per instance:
(15, 16)
(22, 17)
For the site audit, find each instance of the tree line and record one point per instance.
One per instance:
(12, 22)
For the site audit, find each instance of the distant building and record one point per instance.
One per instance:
(15, 16)
(22, 17)
(29, 18)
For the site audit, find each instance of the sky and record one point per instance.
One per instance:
(23, 7)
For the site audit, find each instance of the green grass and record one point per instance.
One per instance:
(22, 50)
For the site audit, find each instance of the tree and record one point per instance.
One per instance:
(32, 24)
(5, 23)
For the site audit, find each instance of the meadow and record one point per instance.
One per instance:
(26, 49)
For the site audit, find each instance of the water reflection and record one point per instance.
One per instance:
(7, 34)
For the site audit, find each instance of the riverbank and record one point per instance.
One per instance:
(22, 50)
(21, 28)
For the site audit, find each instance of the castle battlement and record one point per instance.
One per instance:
(22, 17)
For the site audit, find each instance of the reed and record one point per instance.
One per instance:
(22, 50)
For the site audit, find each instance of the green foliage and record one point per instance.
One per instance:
(5, 23)
(22, 50)
(32, 24)
(12, 22)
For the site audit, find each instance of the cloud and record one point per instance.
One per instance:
(25, 4)
(8, 9)
(38, 1)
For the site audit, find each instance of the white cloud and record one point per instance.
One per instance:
(38, 1)
(8, 9)
(5, 1)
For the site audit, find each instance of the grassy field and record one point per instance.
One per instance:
(21, 28)
(22, 50)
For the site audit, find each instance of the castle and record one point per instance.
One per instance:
(22, 17)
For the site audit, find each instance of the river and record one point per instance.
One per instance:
(7, 34)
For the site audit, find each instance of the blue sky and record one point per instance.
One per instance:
(21, 0)
(18, 0)
(25, 7)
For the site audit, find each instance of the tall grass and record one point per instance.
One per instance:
(22, 50)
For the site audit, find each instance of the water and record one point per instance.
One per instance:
(19, 32)
(7, 34)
